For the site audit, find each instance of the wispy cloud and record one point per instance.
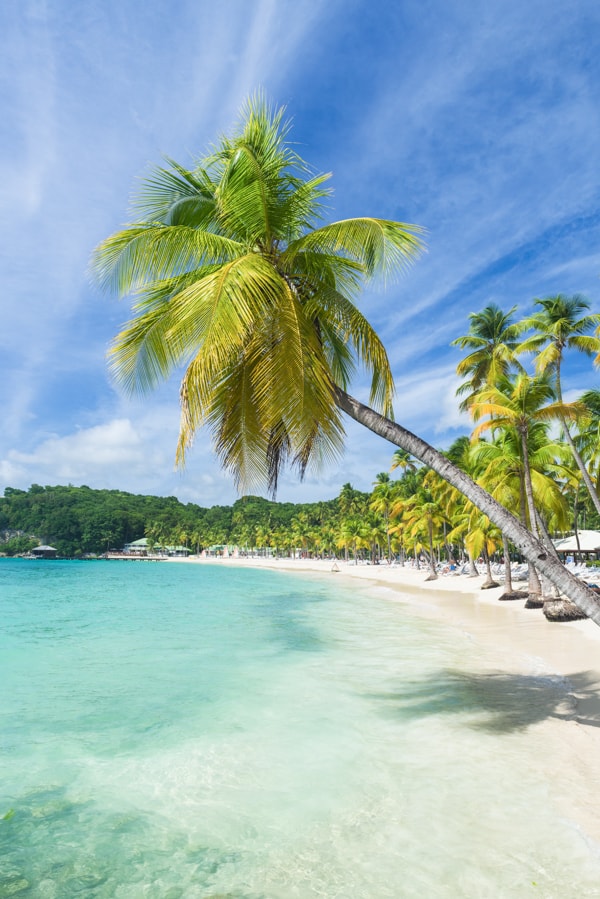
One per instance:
(473, 121)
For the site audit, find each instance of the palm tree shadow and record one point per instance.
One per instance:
(497, 702)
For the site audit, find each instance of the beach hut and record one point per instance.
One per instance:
(136, 548)
(44, 552)
(585, 545)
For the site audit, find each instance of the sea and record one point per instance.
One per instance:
(181, 731)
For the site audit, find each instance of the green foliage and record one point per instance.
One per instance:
(79, 520)
(16, 546)
(231, 277)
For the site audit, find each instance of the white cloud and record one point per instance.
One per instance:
(115, 445)
(479, 126)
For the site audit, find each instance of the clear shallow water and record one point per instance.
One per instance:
(194, 731)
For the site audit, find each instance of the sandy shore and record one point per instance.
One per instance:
(566, 648)
(460, 601)
(519, 642)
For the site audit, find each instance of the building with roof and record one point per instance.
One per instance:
(585, 544)
(142, 547)
(44, 552)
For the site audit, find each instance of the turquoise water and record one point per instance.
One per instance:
(205, 731)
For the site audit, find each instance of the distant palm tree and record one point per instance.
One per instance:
(588, 438)
(235, 279)
(492, 340)
(403, 460)
(517, 406)
(424, 520)
(383, 496)
(563, 323)
(353, 533)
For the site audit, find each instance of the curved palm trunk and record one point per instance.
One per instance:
(578, 460)
(534, 600)
(473, 570)
(508, 587)
(433, 575)
(489, 582)
(534, 551)
(389, 537)
(581, 466)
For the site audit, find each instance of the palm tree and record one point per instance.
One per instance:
(517, 406)
(588, 438)
(233, 278)
(402, 459)
(500, 466)
(424, 519)
(353, 534)
(563, 323)
(384, 493)
(492, 341)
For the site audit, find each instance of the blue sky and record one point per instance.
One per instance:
(480, 121)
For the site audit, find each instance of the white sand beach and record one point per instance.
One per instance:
(518, 642)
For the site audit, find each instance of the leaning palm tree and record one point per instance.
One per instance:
(500, 466)
(235, 278)
(588, 437)
(563, 323)
(517, 406)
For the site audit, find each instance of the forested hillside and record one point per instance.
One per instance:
(79, 520)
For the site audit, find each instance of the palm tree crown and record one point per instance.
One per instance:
(562, 322)
(233, 279)
(492, 341)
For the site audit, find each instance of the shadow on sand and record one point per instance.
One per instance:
(499, 702)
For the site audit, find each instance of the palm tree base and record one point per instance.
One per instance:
(534, 601)
(562, 610)
(514, 594)
(432, 577)
(489, 585)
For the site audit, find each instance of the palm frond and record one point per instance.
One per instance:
(164, 188)
(382, 247)
(144, 253)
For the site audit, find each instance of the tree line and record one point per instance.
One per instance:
(536, 454)
(234, 277)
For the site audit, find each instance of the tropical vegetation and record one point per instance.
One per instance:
(235, 278)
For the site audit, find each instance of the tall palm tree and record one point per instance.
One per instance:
(517, 406)
(233, 278)
(492, 340)
(501, 472)
(588, 438)
(424, 519)
(353, 533)
(384, 493)
(563, 323)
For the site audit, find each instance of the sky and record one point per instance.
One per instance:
(479, 121)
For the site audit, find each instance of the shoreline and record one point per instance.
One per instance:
(567, 647)
(518, 642)
(468, 598)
